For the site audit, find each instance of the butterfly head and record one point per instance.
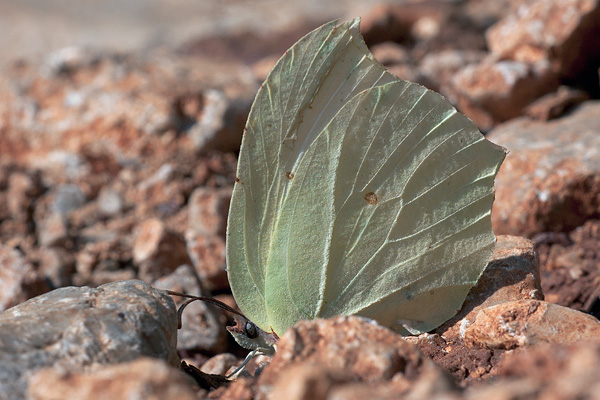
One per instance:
(244, 331)
(251, 337)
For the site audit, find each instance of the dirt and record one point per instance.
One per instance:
(570, 267)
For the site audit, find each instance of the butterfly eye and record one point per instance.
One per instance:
(250, 330)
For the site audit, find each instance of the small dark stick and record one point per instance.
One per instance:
(204, 380)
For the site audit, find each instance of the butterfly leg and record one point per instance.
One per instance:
(249, 357)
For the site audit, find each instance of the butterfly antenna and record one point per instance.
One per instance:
(201, 298)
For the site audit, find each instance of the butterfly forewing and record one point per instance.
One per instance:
(303, 92)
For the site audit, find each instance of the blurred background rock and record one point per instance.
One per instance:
(31, 27)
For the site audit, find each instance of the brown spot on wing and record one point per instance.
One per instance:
(372, 198)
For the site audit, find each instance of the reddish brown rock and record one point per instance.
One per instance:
(388, 23)
(145, 378)
(465, 364)
(220, 364)
(104, 249)
(120, 99)
(262, 67)
(511, 275)
(397, 60)
(116, 147)
(57, 266)
(556, 104)
(488, 13)
(18, 279)
(158, 251)
(304, 382)
(550, 179)
(21, 193)
(349, 350)
(428, 27)
(495, 91)
(208, 257)
(571, 267)
(547, 371)
(527, 322)
(540, 361)
(564, 32)
(53, 231)
(127, 132)
(438, 68)
(241, 389)
(208, 210)
(162, 190)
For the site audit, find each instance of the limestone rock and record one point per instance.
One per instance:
(203, 326)
(67, 198)
(110, 202)
(217, 121)
(75, 328)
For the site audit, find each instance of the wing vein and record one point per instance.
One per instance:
(387, 242)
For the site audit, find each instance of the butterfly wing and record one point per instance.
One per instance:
(358, 193)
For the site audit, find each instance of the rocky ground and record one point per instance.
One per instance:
(119, 166)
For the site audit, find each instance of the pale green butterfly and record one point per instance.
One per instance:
(356, 193)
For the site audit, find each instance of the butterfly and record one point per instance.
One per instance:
(356, 193)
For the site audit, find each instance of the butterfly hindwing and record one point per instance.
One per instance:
(411, 258)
